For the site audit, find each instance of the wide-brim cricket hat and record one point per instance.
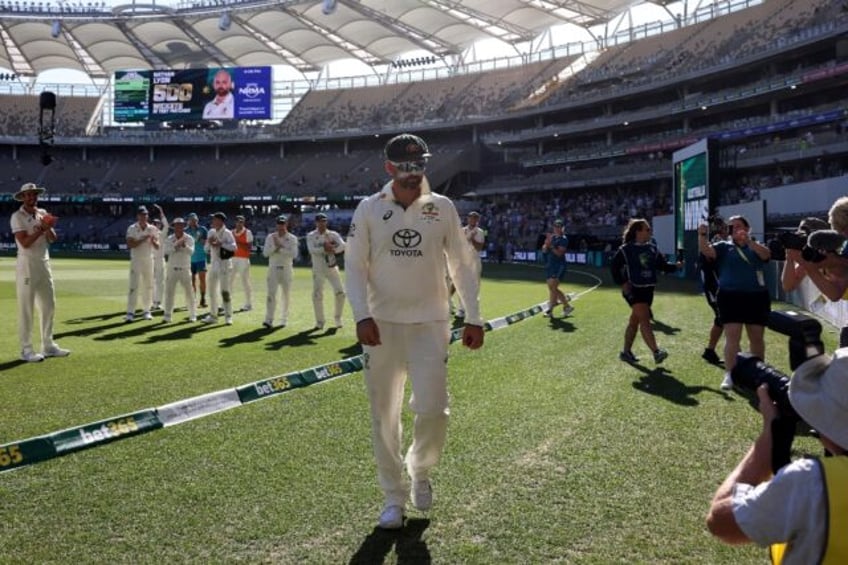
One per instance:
(818, 391)
(406, 147)
(28, 187)
(176, 221)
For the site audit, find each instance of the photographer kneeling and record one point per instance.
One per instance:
(801, 511)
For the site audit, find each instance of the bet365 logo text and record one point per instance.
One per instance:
(10, 455)
(110, 430)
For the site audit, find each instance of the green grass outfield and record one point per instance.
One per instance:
(557, 451)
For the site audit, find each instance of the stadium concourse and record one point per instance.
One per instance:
(583, 131)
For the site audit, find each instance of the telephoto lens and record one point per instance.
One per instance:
(750, 372)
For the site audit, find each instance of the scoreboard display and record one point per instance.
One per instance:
(223, 93)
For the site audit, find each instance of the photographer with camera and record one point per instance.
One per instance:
(793, 243)
(743, 299)
(802, 511)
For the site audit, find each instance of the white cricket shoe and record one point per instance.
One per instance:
(391, 518)
(56, 351)
(422, 495)
(31, 356)
(147, 315)
(727, 383)
(209, 319)
(129, 317)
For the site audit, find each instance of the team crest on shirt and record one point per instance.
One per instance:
(430, 213)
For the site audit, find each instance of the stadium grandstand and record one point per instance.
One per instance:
(582, 129)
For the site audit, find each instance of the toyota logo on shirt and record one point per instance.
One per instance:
(407, 241)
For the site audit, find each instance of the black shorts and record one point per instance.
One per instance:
(744, 307)
(639, 295)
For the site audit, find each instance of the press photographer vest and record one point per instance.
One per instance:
(835, 478)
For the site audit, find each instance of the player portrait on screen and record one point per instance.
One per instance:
(223, 105)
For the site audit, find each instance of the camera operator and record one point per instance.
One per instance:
(802, 511)
(827, 268)
(793, 268)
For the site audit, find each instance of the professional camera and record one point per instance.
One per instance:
(750, 372)
(799, 241)
(793, 240)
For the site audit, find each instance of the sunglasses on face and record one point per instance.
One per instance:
(410, 166)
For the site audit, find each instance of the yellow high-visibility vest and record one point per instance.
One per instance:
(835, 479)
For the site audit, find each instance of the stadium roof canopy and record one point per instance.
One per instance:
(99, 39)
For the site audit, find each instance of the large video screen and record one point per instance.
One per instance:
(692, 195)
(222, 93)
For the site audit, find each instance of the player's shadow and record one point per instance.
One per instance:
(94, 330)
(181, 330)
(11, 364)
(306, 337)
(408, 543)
(351, 350)
(247, 337)
(664, 328)
(96, 318)
(660, 382)
(562, 325)
(135, 329)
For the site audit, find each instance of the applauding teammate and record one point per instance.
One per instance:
(281, 249)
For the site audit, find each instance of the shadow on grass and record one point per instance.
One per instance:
(85, 332)
(408, 544)
(351, 350)
(11, 364)
(135, 329)
(562, 324)
(663, 328)
(96, 318)
(306, 337)
(660, 382)
(248, 337)
(182, 330)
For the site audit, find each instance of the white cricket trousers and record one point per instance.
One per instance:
(420, 352)
(34, 286)
(218, 285)
(179, 276)
(241, 270)
(320, 273)
(159, 275)
(279, 277)
(141, 283)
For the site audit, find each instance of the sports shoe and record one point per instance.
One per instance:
(129, 317)
(727, 382)
(547, 314)
(246, 308)
(166, 319)
(267, 324)
(228, 320)
(460, 314)
(628, 357)
(391, 518)
(567, 310)
(147, 315)
(56, 351)
(710, 356)
(660, 355)
(422, 495)
(209, 319)
(192, 318)
(31, 356)
(319, 326)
